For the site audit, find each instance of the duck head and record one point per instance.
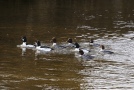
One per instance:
(24, 39)
(91, 40)
(53, 40)
(70, 40)
(81, 52)
(102, 47)
(37, 43)
(76, 45)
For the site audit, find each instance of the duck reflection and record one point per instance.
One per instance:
(40, 53)
(23, 53)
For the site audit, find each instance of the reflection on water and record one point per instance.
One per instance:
(110, 23)
(23, 51)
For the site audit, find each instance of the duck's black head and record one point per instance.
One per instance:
(81, 52)
(53, 40)
(91, 40)
(70, 40)
(24, 39)
(102, 46)
(38, 43)
(76, 45)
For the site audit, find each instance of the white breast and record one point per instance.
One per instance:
(43, 49)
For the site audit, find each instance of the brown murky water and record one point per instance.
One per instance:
(109, 22)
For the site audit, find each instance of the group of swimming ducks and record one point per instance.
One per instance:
(70, 46)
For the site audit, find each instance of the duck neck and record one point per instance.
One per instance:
(24, 43)
(91, 43)
(69, 43)
(101, 49)
(54, 44)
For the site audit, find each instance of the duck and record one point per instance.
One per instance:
(105, 51)
(70, 43)
(91, 43)
(55, 45)
(77, 47)
(42, 48)
(85, 56)
(24, 43)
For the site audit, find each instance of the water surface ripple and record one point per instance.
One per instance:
(109, 23)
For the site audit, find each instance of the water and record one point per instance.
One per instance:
(109, 22)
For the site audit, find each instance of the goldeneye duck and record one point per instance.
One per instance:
(55, 45)
(85, 56)
(105, 51)
(91, 43)
(24, 43)
(70, 43)
(77, 47)
(42, 48)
